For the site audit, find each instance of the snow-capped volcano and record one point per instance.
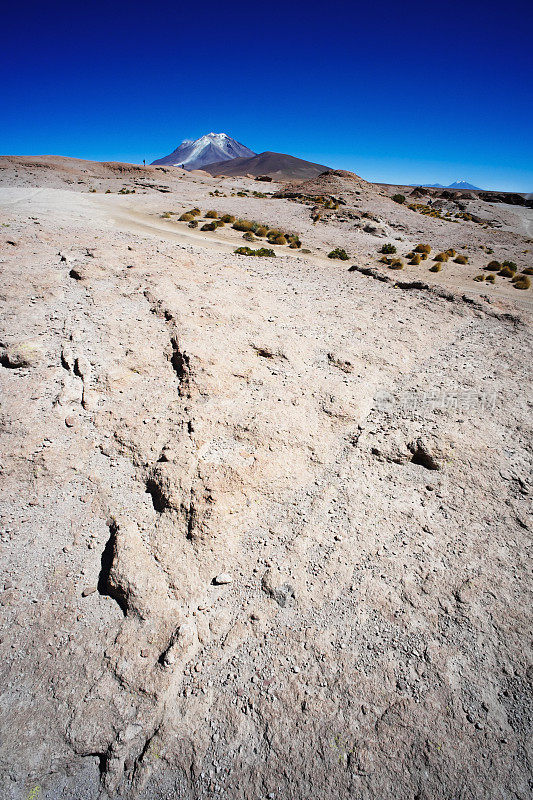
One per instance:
(206, 150)
(455, 185)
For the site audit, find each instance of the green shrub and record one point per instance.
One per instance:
(193, 223)
(272, 233)
(506, 272)
(436, 267)
(522, 283)
(242, 225)
(388, 248)
(441, 257)
(211, 214)
(422, 248)
(494, 265)
(280, 239)
(490, 278)
(247, 251)
(339, 252)
(209, 226)
(479, 278)
(248, 236)
(396, 263)
(398, 198)
(510, 265)
(461, 260)
(186, 217)
(228, 218)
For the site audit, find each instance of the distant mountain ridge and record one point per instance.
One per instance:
(208, 149)
(455, 185)
(278, 166)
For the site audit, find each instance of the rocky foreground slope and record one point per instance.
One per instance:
(264, 521)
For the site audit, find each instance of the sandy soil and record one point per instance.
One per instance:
(264, 522)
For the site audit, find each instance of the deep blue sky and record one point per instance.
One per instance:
(395, 91)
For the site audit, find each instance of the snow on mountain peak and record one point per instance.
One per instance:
(208, 149)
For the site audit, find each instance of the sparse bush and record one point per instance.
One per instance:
(451, 252)
(436, 267)
(490, 278)
(272, 233)
(528, 271)
(247, 251)
(196, 212)
(209, 226)
(510, 265)
(186, 217)
(294, 241)
(493, 265)
(506, 272)
(398, 198)
(211, 214)
(242, 225)
(280, 239)
(339, 252)
(441, 257)
(415, 260)
(461, 260)
(385, 260)
(423, 248)
(166, 215)
(396, 263)
(248, 236)
(193, 224)
(388, 248)
(522, 283)
(479, 278)
(261, 230)
(410, 255)
(218, 223)
(228, 218)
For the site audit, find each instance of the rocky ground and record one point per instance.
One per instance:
(264, 521)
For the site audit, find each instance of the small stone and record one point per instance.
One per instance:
(88, 590)
(222, 579)
(67, 548)
(70, 421)
(255, 617)
(145, 653)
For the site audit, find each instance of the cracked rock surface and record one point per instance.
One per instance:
(264, 526)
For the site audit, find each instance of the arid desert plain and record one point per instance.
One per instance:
(264, 520)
